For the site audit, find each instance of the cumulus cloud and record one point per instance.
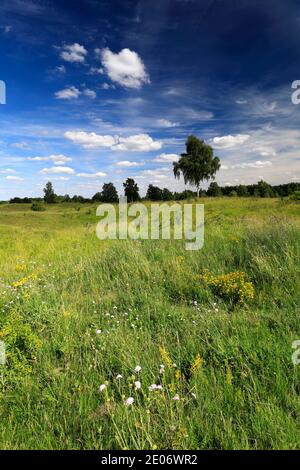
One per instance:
(106, 86)
(73, 53)
(68, 93)
(90, 140)
(58, 169)
(137, 143)
(96, 70)
(90, 93)
(14, 178)
(167, 157)
(126, 163)
(125, 68)
(56, 159)
(134, 143)
(99, 174)
(229, 141)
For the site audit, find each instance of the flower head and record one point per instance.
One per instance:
(137, 384)
(137, 369)
(119, 376)
(102, 387)
(152, 387)
(176, 398)
(129, 401)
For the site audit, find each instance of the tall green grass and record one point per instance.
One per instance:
(230, 366)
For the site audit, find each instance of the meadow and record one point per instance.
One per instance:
(144, 345)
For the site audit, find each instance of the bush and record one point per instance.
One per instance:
(295, 196)
(232, 287)
(37, 207)
(22, 346)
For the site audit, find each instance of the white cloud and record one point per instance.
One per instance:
(60, 69)
(7, 170)
(56, 159)
(157, 174)
(14, 178)
(68, 93)
(229, 141)
(90, 139)
(106, 86)
(58, 169)
(257, 164)
(134, 143)
(99, 174)
(137, 143)
(173, 91)
(167, 123)
(167, 157)
(21, 145)
(90, 93)
(264, 151)
(96, 70)
(128, 164)
(73, 53)
(125, 68)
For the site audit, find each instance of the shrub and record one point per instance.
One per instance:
(232, 287)
(37, 207)
(21, 344)
(295, 196)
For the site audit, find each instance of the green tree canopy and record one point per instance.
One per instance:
(214, 190)
(131, 190)
(109, 193)
(154, 193)
(197, 164)
(49, 194)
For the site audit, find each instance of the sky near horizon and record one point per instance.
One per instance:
(102, 90)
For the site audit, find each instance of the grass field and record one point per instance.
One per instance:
(76, 312)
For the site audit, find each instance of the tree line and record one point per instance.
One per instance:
(109, 193)
(197, 164)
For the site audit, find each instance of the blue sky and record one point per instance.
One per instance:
(101, 90)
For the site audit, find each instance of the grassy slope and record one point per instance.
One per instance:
(247, 389)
